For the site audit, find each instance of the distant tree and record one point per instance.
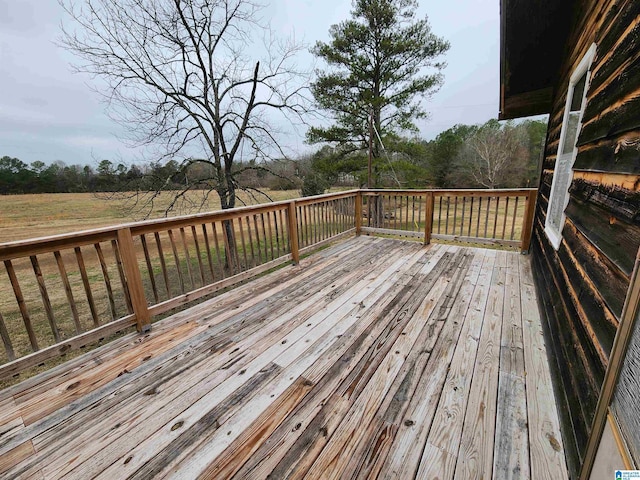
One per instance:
(443, 152)
(382, 62)
(181, 77)
(495, 156)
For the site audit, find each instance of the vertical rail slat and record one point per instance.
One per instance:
(107, 281)
(504, 222)
(21, 304)
(208, 247)
(6, 340)
(134, 280)
(176, 259)
(282, 235)
(440, 215)
(123, 280)
(187, 256)
(264, 237)
(218, 254)
(446, 224)
(464, 204)
(270, 230)
(513, 220)
(229, 255)
(46, 302)
(198, 253)
(428, 218)
(244, 244)
(253, 253)
(479, 215)
(68, 291)
(293, 232)
(470, 216)
(495, 219)
(87, 287)
(258, 244)
(455, 216)
(486, 218)
(163, 264)
(147, 260)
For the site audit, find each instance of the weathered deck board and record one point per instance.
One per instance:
(374, 358)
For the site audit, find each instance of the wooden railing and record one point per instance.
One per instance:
(69, 291)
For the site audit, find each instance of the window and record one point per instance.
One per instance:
(567, 151)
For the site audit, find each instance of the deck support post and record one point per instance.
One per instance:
(527, 222)
(134, 280)
(428, 222)
(292, 221)
(358, 213)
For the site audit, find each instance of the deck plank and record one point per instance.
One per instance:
(475, 460)
(546, 450)
(374, 358)
(441, 451)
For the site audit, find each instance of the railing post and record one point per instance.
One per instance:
(134, 280)
(428, 223)
(527, 225)
(293, 232)
(358, 213)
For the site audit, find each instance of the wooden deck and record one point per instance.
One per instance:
(375, 358)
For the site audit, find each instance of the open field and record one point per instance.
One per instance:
(31, 216)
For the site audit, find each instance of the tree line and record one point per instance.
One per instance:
(492, 155)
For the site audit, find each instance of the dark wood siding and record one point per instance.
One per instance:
(583, 284)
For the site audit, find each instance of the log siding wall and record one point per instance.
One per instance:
(583, 284)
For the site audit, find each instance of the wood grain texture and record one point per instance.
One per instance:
(354, 364)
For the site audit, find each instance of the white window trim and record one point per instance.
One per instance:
(555, 237)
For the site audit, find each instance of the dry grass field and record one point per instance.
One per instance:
(31, 216)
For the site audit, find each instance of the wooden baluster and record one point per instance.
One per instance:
(300, 226)
(265, 242)
(440, 214)
(198, 253)
(280, 233)
(504, 222)
(107, 281)
(513, 220)
(218, 253)
(428, 219)
(455, 216)
(464, 204)
(486, 218)
(208, 247)
(87, 287)
(495, 220)
(229, 254)
(270, 230)
(416, 226)
(21, 304)
(244, 245)
(406, 218)
(470, 217)
(478, 215)
(134, 280)
(6, 340)
(123, 280)
(176, 259)
(293, 232)
(187, 257)
(358, 213)
(68, 291)
(152, 276)
(163, 264)
(446, 225)
(253, 253)
(45, 298)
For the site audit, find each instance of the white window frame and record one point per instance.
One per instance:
(584, 67)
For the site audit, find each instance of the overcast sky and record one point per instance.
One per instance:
(48, 113)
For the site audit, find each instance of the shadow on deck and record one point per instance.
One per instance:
(375, 358)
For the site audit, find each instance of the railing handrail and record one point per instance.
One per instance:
(31, 246)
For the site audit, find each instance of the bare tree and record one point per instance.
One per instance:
(495, 156)
(182, 77)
